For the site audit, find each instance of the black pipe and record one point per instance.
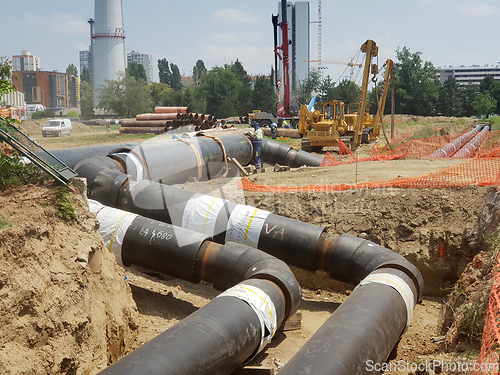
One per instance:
(199, 157)
(161, 247)
(72, 156)
(276, 152)
(358, 336)
(230, 329)
(215, 339)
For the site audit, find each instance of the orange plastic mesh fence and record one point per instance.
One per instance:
(480, 170)
(489, 358)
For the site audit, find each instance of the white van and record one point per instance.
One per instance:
(57, 127)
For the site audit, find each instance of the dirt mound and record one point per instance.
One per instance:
(66, 307)
(435, 229)
(34, 127)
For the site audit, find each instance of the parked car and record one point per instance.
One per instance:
(57, 127)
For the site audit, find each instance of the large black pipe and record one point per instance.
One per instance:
(360, 334)
(276, 152)
(303, 245)
(228, 331)
(174, 161)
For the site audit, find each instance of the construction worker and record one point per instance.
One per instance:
(285, 124)
(257, 145)
(273, 130)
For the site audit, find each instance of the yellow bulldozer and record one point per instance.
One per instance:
(331, 123)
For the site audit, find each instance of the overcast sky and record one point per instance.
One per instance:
(446, 32)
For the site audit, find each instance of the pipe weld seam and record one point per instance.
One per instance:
(263, 307)
(397, 284)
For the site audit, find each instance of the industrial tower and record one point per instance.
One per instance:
(108, 43)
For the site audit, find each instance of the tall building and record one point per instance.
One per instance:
(469, 74)
(51, 89)
(145, 60)
(298, 17)
(25, 62)
(108, 41)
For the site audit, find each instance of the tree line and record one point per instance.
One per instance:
(228, 91)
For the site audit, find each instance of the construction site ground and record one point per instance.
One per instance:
(439, 230)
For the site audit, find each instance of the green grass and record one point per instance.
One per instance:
(64, 207)
(494, 122)
(4, 223)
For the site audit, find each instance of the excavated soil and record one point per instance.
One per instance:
(62, 314)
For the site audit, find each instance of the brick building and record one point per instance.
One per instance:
(52, 89)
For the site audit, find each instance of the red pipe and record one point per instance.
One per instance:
(158, 116)
(171, 109)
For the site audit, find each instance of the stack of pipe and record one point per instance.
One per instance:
(166, 119)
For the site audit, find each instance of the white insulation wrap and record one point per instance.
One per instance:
(201, 213)
(261, 303)
(113, 224)
(134, 159)
(245, 224)
(396, 283)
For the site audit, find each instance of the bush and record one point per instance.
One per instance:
(42, 114)
(13, 171)
(72, 114)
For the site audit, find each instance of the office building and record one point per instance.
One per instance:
(145, 60)
(51, 89)
(25, 62)
(473, 74)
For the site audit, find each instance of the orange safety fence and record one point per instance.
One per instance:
(489, 358)
(481, 170)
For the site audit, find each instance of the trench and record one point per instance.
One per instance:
(380, 226)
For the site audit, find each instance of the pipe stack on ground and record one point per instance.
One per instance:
(470, 148)
(166, 119)
(451, 148)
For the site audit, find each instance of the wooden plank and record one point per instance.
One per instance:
(242, 170)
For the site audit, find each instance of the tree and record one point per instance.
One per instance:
(468, 94)
(219, 87)
(86, 100)
(326, 89)
(71, 69)
(263, 95)
(137, 71)
(125, 96)
(486, 84)
(164, 71)
(175, 78)
(450, 98)
(484, 104)
(347, 91)
(159, 93)
(306, 87)
(242, 89)
(199, 70)
(85, 75)
(416, 84)
(5, 78)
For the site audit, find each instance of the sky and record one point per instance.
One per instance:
(445, 32)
